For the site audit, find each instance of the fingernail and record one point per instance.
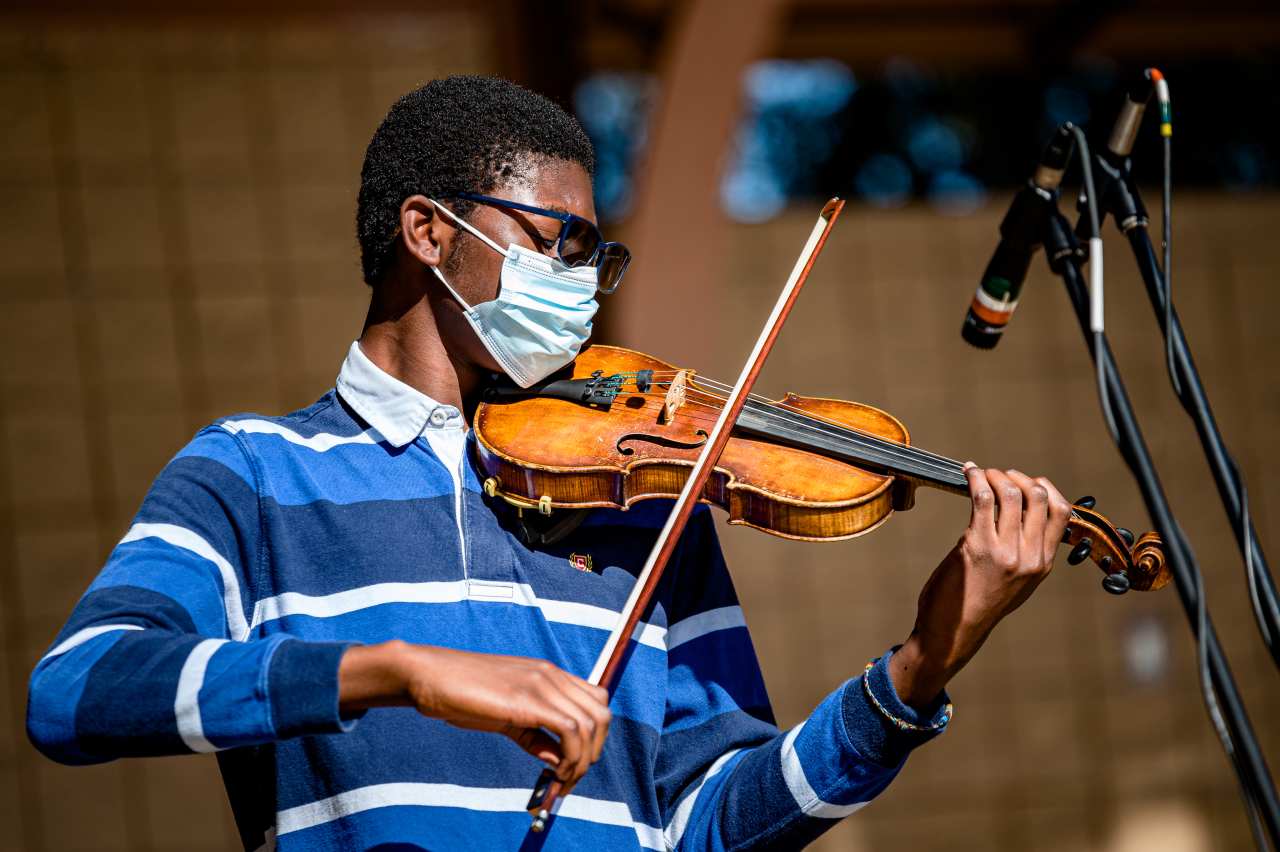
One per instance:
(969, 464)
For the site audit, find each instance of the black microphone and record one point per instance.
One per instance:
(1021, 234)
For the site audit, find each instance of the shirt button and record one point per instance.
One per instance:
(438, 417)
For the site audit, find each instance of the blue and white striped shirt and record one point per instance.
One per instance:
(270, 544)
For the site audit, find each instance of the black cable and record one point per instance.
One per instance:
(1206, 687)
(1236, 731)
(1267, 618)
(1208, 693)
(1166, 225)
(1251, 766)
(1161, 88)
(1226, 473)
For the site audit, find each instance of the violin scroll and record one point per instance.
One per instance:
(1128, 564)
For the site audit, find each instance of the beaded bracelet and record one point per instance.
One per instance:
(903, 724)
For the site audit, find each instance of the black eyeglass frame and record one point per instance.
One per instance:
(619, 253)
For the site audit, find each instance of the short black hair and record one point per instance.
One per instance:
(456, 134)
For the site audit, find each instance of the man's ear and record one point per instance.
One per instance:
(423, 231)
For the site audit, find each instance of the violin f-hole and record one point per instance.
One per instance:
(660, 441)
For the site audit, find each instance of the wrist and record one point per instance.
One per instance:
(374, 676)
(918, 675)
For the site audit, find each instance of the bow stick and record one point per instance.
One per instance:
(606, 670)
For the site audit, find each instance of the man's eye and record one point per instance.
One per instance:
(575, 253)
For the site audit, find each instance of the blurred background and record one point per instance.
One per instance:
(176, 243)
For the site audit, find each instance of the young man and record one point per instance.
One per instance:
(328, 600)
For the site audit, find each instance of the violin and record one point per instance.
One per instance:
(619, 426)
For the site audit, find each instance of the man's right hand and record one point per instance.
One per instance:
(519, 697)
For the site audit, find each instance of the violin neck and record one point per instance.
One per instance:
(849, 445)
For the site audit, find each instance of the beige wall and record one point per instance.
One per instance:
(176, 244)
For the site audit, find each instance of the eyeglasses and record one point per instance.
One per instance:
(579, 242)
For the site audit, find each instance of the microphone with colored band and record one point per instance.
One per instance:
(1021, 233)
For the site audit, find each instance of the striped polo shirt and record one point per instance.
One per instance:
(269, 545)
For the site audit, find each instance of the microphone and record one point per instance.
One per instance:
(1021, 234)
(1111, 165)
(1125, 130)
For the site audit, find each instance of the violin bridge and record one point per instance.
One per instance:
(675, 397)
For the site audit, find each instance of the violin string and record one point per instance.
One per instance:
(902, 450)
(888, 453)
(714, 407)
(889, 442)
(895, 452)
(764, 401)
(787, 429)
(770, 409)
(796, 427)
(800, 431)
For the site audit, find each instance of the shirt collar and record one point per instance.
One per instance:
(398, 412)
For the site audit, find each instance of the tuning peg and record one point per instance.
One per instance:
(1086, 502)
(1080, 552)
(1126, 534)
(1116, 584)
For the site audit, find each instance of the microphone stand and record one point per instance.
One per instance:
(1065, 259)
(1118, 196)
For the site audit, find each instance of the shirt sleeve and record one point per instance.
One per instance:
(158, 657)
(727, 777)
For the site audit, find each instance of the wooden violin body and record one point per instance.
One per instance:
(618, 456)
(625, 427)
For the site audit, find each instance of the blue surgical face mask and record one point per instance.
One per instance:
(541, 316)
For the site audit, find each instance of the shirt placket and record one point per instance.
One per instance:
(444, 432)
(444, 435)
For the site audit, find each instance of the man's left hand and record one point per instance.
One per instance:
(1007, 550)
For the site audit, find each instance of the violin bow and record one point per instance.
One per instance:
(608, 665)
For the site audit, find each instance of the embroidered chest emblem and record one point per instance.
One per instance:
(581, 561)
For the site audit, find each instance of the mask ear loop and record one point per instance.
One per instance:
(474, 232)
(453, 292)
(470, 228)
